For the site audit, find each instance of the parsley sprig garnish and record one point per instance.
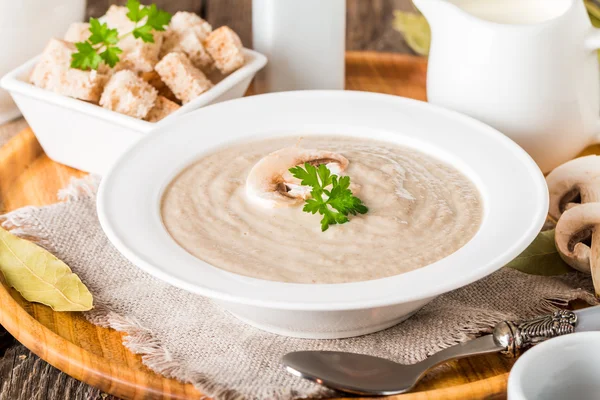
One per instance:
(102, 45)
(334, 204)
(155, 20)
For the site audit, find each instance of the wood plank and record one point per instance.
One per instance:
(368, 25)
(6, 341)
(237, 14)
(34, 379)
(97, 8)
(96, 356)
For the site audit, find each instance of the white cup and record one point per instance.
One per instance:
(25, 28)
(564, 368)
(304, 41)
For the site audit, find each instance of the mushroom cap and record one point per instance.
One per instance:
(577, 178)
(575, 226)
(270, 183)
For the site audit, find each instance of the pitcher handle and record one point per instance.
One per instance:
(592, 43)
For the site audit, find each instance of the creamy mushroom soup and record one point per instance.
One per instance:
(420, 210)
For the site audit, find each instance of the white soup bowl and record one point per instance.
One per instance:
(513, 192)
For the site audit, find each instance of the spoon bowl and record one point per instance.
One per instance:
(367, 375)
(352, 373)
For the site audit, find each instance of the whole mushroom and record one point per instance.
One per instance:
(577, 181)
(577, 238)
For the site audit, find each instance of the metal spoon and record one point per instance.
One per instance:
(367, 375)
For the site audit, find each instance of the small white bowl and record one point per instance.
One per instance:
(512, 187)
(90, 138)
(567, 367)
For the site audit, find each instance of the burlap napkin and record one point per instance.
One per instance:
(186, 337)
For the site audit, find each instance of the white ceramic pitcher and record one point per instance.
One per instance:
(526, 67)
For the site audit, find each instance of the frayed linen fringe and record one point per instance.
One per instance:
(24, 223)
(487, 320)
(79, 188)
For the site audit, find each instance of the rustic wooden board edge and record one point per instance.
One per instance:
(490, 389)
(15, 156)
(79, 363)
(97, 372)
(119, 380)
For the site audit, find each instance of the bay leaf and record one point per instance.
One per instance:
(593, 10)
(415, 29)
(41, 277)
(541, 257)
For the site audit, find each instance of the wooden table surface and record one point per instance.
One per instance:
(369, 22)
(23, 376)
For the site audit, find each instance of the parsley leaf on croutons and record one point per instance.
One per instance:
(86, 57)
(136, 11)
(157, 18)
(102, 45)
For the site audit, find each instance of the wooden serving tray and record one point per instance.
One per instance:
(96, 356)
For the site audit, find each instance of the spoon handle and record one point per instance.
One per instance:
(511, 338)
(481, 345)
(353, 373)
(514, 337)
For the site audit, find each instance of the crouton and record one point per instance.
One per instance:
(137, 55)
(183, 22)
(53, 72)
(116, 18)
(192, 46)
(225, 47)
(128, 94)
(163, 90)
(162, 108)
(185, 80)
(78, 32)
(185, 34)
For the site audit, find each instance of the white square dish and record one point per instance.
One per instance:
(90, 138)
